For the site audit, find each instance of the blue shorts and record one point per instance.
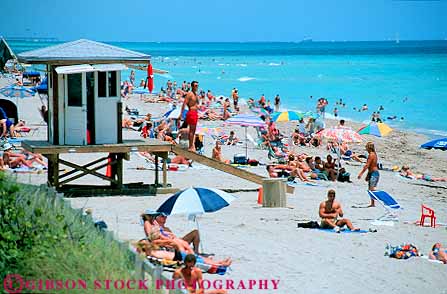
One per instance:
(199, 259)
(373, 179)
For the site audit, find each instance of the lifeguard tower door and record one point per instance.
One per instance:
(75, 108)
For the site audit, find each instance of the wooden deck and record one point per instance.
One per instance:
(152, 145)
(118, 153)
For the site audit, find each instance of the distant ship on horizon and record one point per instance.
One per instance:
(306, 40)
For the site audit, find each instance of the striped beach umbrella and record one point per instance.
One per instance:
(375, 129)
(245, 120)
(196, 200)
(287, 116)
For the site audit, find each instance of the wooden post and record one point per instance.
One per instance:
(53, 170)
(274, 193)
(156, 171)
(119, 170)
(165, 174)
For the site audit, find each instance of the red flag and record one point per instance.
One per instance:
(150, 78)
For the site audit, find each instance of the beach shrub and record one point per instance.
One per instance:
(42, 238)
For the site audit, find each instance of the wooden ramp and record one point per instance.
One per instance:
(252, 177)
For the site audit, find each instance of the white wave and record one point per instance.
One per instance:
(242, 64)
(274, 64)
(219, 78)
(245, 79)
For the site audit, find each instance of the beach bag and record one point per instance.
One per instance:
(403, 251)
(343, 176)
(309, 225)
(253, 162)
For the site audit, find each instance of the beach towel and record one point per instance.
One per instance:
(294, 184)
(170, 265)
(343, 231)
(26, 170)
(431, 260)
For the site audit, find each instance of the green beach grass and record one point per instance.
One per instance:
(41, 238)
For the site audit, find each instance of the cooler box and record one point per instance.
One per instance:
(240, 159)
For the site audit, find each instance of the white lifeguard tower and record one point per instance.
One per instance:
(84, 113)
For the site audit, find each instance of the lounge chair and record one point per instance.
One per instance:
(391, 207)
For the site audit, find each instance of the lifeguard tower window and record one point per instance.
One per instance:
(102, 84)
(74, 83)
(107, 86)
(112, 83)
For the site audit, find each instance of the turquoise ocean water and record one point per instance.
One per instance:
(409, 78)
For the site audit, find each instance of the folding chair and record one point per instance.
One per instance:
(389, 203)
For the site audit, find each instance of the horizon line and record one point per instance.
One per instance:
(54, 39)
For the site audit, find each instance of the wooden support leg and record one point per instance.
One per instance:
(165, 174)
(53, 170)
(119, 170)
(156, 171)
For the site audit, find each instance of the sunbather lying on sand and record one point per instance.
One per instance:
(330, 210)
(177, 255)
(406, 172)
(438, 253)
(192, 277)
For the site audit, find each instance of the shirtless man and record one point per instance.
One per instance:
(192, 277)
(373, 171)
(329, 212)
(192, 101)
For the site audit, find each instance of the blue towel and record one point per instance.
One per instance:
(343, 231)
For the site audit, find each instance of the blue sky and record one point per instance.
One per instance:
(225, 20)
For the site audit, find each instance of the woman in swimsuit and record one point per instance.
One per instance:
(438, 253)
(158, 237)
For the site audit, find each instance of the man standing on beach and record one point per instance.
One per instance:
(192, 101)
(373, 171)
(277, 102)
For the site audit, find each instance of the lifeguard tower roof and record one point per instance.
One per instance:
(82, 51)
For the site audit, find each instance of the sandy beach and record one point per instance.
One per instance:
(265, 243)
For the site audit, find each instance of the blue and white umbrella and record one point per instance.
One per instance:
(14, 91)
(436, 144)
(196, 200)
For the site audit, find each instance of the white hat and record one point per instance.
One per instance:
(6, 146)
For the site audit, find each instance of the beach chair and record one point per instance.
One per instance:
(390, 205)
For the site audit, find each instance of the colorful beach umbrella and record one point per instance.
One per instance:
(287, 116)
(14, 91)
(210, 131)
(341, 135)
(245, 120)
(436, 144)
(375, 129)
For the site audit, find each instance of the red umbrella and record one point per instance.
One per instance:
(150, 77)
